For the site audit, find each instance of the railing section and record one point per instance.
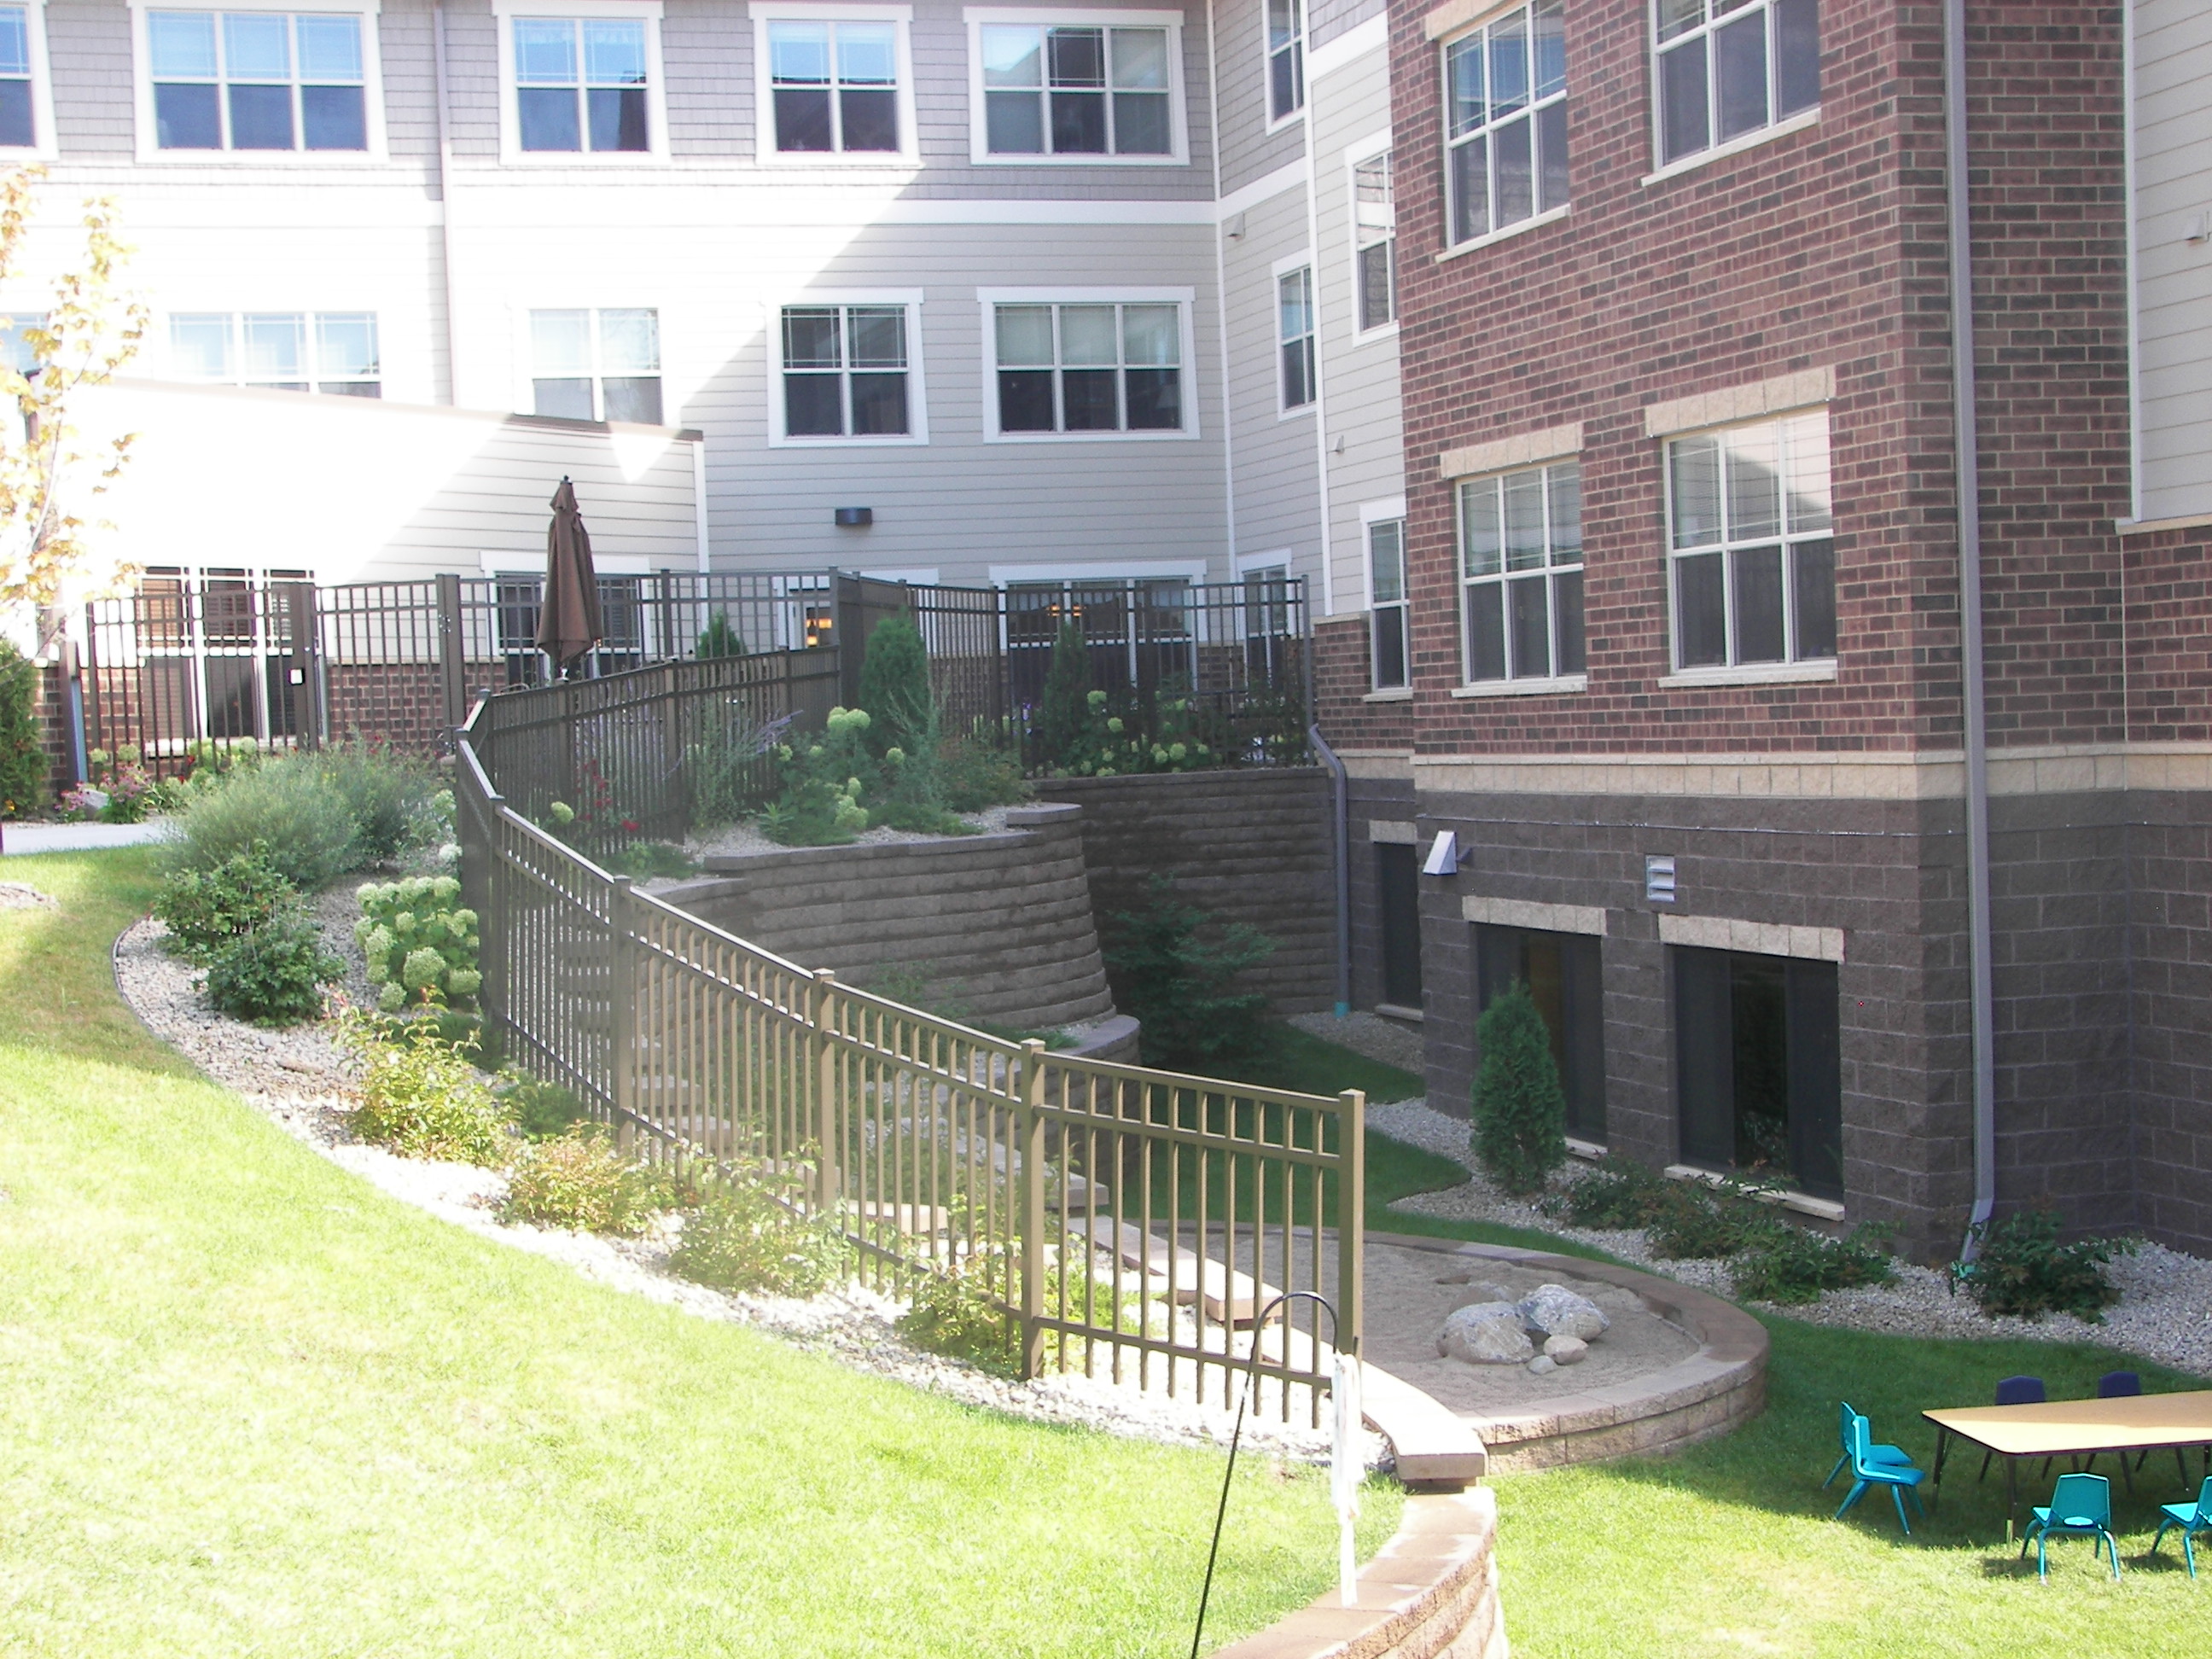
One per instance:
(1132, 1223)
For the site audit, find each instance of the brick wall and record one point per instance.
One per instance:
(1343, 677)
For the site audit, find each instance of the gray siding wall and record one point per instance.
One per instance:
(1249, 150)
(2172, 133)
(1327, 19)
(1277, 461)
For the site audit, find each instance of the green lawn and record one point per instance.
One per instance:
(249, 1405)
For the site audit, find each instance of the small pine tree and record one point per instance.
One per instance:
(23, 765)
(719, 638)
(1064, 717)
(894, 688)
(1520, 1111)
(1177, 972)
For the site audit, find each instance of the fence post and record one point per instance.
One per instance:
(1351, 1217)
(452, 664)
(304, 630)
(621, 993)
(1033, 1173)
(825, 1091)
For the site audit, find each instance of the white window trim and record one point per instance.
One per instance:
(1370, 514)
(1276, 123)
(1354, 154)
(1542, 216)
(988, 299)
(525, 356)
(1282, 268)
(765, 153)
(1110, 570)
(42, 147)
(1392, 510)
(511, 152)
(1519, 227)
(979, 138)
(1517, 686)
(1736, 146)
(142, 88)
(1813, 670)
(164, 352)
(917, 409)
(1245, 563)
(1555, 685)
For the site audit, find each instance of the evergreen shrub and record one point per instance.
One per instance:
(24, 769)
(1520, 1111)
(1176, 969)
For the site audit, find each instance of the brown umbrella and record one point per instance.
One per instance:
(568, 621)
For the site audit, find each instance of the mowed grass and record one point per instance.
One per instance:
(248, 1405)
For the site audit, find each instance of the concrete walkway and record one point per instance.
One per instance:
(25, 838)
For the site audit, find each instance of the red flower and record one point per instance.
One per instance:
(630, 825)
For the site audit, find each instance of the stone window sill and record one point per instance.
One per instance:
(1590, 1151)
(1703, 158)
(1773, 673)
(1390, 694)
(1556, 684)
(1823, 1209)
(1396, 1011)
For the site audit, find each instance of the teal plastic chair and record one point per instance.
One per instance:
(2081, 1507)
(1867, 1473)
(1874, 1454)
(2191, 1518)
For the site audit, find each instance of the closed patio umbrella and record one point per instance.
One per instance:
(568, 621)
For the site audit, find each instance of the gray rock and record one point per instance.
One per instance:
(1555, 1310)
(1542, 1366)
(1566, 1350)
(1487, 1334)
(1482, 1291)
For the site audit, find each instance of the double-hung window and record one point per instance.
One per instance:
(833, 85)
(16, 351)
(1724, 69)
(596, 365)
(249, 81)
(26, 116)
(1385, 591)
(1094, 366)
(1374, 242)
(1750, 537)
(1505, 121)
(1286, 58)
(1078, 88)
(1294, 331)
(847, 371)
(328, 351)
(582, 85)
(1521, 559)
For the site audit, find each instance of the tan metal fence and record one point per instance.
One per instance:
(1133, 1222)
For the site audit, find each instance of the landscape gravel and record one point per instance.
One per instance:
(2164, 1313)
(300, 1078)
(1394, 1043)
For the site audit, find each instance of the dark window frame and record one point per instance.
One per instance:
(1566, 975)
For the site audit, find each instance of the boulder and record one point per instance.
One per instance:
(1555, 1310)
(1542, 1366)
(1485, 1334)
(1480, 1291)
(1566, 1350)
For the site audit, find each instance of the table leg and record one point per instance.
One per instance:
(2012, 1494)
(1942, 1451)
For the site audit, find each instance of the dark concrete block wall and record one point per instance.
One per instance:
(1001, 924)
(1367, 800)
(1251, 846)
(2170, 996)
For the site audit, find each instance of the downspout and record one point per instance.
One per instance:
(1972, 694)
(445, 200)
(1340, 838)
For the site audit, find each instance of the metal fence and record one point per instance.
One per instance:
(1132, 1221)
(195, 657)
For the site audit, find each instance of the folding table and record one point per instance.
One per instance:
(2127, 1424)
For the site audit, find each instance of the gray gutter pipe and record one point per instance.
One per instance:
(1972, 693)
(1340, 827)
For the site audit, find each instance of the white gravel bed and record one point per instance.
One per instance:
(1392, 1041)
(745, 840)
(2164, 1314)
(306, 1086)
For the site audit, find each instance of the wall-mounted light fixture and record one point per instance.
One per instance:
(1444, 854)
(855, 517)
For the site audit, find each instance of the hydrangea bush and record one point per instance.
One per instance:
(420, 941)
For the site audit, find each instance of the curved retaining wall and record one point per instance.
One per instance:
(999, 924)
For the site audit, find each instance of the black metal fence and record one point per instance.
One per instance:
(194, 659)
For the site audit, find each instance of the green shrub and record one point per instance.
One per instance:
(718, 639)
(291, 806)
(1175, 971)
(747, 1236)
(395, 799)
(273, 974)
(909, 797)
(577, 1179)
(420, 1097)
(823, 782)
(419, 941)
(23, 765)
(725, 772)
(206, 910)
(1619, 1193)
(1520, 1111)
(974, 773)
(1064, 711)
(1694, 1225)
(1792, 1264)
(540, 1109)
(895, 688)
(645, 861)
(2023, 1268)
(960, 1311)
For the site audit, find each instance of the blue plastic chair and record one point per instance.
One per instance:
(1899, 1478)
(2016, 1391)
(1874, 1454)
(2191, 1518)
(2081, 1507)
